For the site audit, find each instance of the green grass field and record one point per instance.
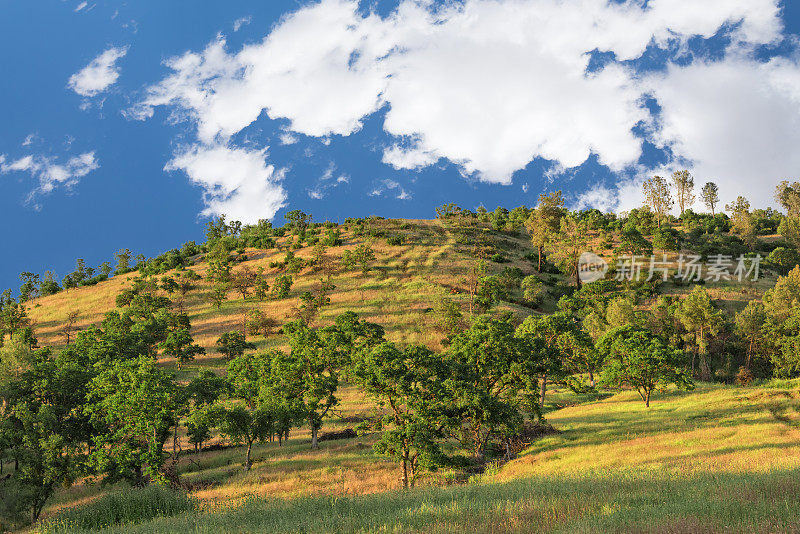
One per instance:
(719, 459)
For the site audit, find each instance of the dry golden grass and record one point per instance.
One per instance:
(713, 429)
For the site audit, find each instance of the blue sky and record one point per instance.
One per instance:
(130, 124)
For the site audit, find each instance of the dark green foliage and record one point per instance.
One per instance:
(632, 242)
(409, 383)
(637, 359)
(666, 239)
(135, 403)
(492, 378)
(395, 240)
(281, 286)
(233, 344)
(783, 259)
(333, 237)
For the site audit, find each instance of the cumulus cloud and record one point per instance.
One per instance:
(236, 182)
(238, 23)
(492, 85)
(49, 173)
(100, 74)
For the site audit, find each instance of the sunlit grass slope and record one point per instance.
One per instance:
(719, 459)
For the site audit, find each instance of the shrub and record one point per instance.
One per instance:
(395, 240)
(783, 259)
(499, 258)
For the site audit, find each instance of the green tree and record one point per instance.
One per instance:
(658, 197)
(702, 322)
(545, 221)
(246, 426)
(567, 245)
(710, 196)
(233, 344)
(123, 257)
(282, 286)
(683, 182)
(637, 359)
(784, 259)
(41, 425)
(749, 326)
(553, 335)
(409, 384)
(180, 345)
(298, 220)
(135, 402)
(310, 371)
(533, 290)
(743, 223)
(30, 286)
(491, 369)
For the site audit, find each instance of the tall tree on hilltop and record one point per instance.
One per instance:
(567, 245)
(743, 223)
(658, 197)
(545, 221)
(710, 196)
(683, 182)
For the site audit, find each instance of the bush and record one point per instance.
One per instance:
(395, 240)
(499, 258)
(783, 259)
(121, 508)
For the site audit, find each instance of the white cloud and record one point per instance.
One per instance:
(733, 122)
(489, 85)
(411, 157)
(237, 182)
(238, 23)
(30, 139)
(288, 138)
(81, 6)
(49, 173)
(387, 185)
(326, 182)
(100, 74)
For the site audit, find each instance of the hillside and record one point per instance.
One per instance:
(694, 461)
(718, 459)
(397, 293)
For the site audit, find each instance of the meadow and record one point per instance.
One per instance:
(718, 458)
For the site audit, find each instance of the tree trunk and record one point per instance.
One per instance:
(591, 379)
(647, 399)
(314, 442)
(404, 476)
(247, 463)
(540, 258)
(542, 392)
(577, 276)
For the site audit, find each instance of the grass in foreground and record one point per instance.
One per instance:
(624, 501)
(719, 459)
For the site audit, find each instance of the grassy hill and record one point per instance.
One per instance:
(719, 459)
(397, 293)
(695, 461)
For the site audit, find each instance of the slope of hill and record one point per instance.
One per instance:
(719, 459)
(693, 462)
(397, 293)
